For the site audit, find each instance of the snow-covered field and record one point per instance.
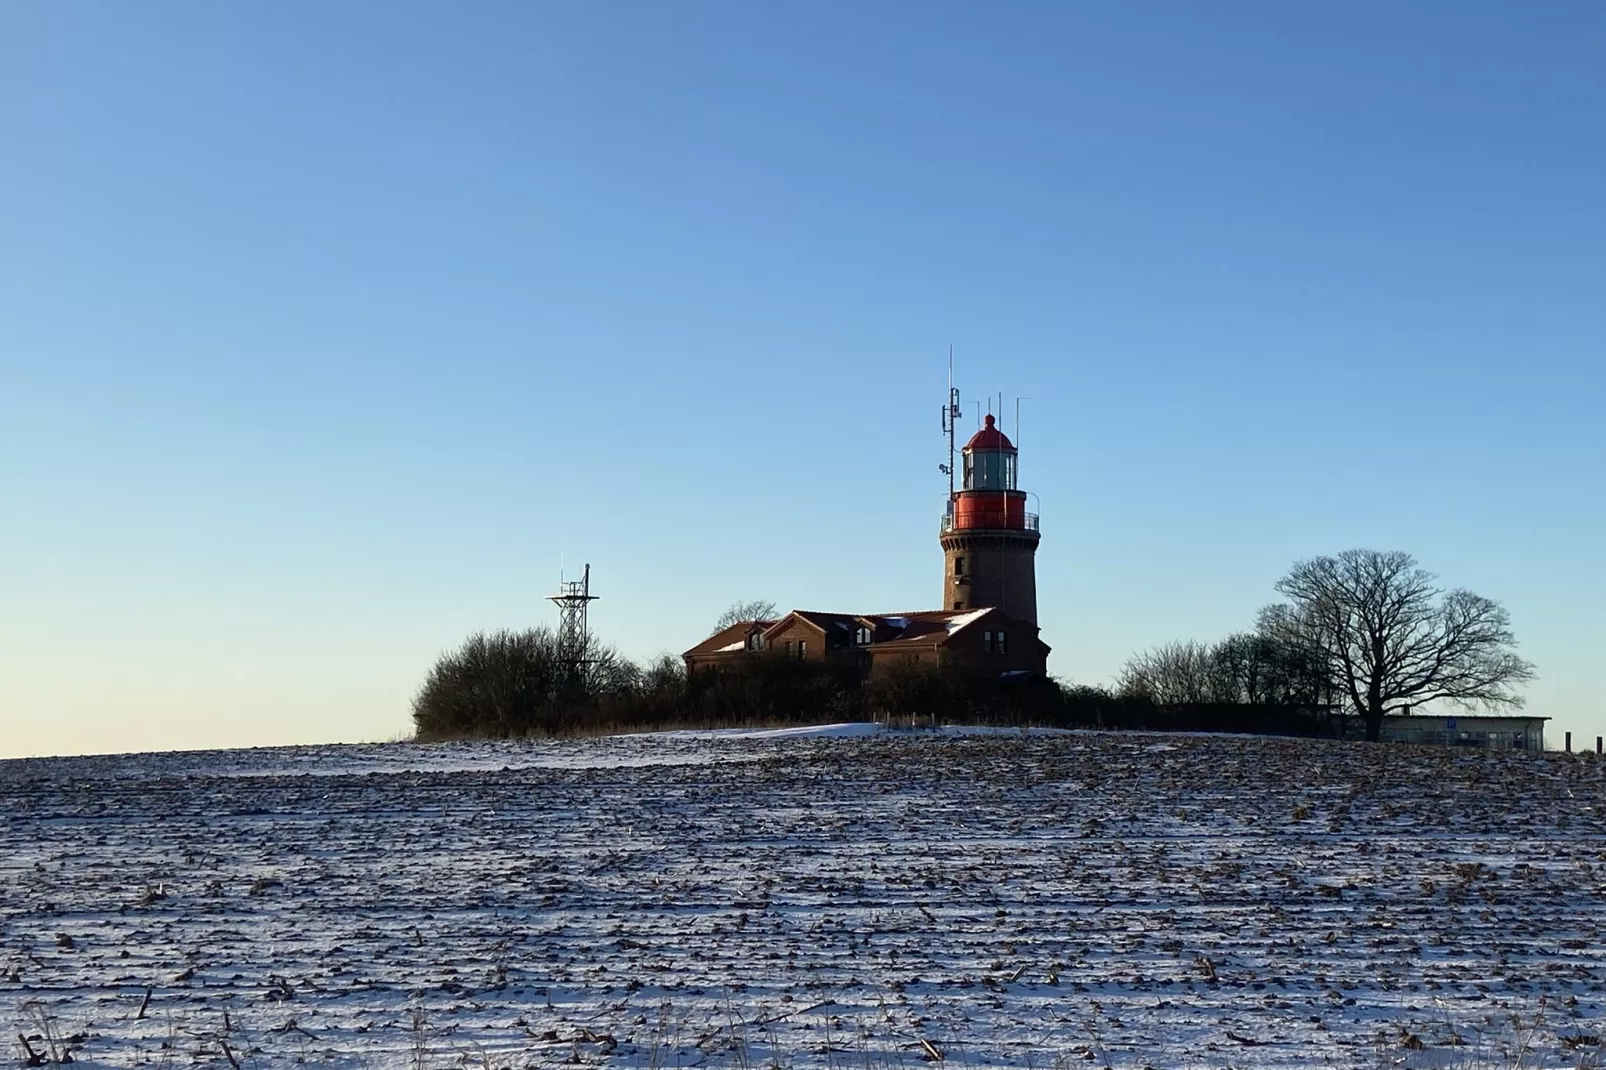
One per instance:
(845, 899)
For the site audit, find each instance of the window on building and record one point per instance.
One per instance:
(802, 649)
(987, 642)
(1001, 641)
(959, 566)
(959, 605)
(862, 636)
(755, 640)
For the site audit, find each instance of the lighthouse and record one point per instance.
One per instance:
(989, 540)
(986, 623)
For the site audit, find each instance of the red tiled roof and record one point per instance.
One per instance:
(823, 621)
(920, 628)
(720, 641)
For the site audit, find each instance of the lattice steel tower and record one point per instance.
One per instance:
(574, 637)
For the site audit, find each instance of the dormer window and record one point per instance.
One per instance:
(862, 636)
(755, 641)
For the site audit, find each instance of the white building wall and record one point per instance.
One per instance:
(1495, 733)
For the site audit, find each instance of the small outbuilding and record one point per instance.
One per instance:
(1489, 732)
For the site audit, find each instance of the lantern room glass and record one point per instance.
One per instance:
(990, 470)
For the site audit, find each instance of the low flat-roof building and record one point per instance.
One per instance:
(1513, 732)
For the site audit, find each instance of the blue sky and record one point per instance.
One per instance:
(328, 331)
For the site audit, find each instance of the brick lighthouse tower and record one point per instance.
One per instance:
(989, 540)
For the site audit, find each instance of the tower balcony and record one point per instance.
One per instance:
(1028, 522)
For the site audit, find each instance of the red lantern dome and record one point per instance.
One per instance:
(988, 498)
(989, 438)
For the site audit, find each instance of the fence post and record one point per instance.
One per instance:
(1597, 744)
(1569, 742)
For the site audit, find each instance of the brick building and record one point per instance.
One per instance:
(984, 638)
(987, 618)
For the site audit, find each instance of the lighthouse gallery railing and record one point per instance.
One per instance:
(948, 523)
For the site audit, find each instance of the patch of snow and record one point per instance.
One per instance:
(964, 730)
(851, 730)
(731, 648)
(845, 730)
(736, 899)
(956, 623)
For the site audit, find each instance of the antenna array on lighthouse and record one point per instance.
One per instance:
(950, 426)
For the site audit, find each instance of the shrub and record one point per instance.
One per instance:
(508, 684)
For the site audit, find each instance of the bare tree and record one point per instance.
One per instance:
(1246, 668)
(1391, 638)
(742, 611)
(1175, 674)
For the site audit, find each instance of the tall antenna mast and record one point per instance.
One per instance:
(950, 420)
(574, 636)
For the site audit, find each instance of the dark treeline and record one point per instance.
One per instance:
(1360, 635)
(515, 684)
(1247, 671)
